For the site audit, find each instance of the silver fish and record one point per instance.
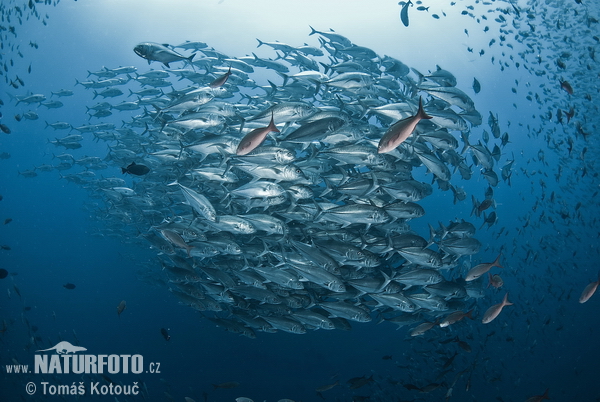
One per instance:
(155, 52)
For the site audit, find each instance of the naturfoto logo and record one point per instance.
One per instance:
(66, 361)
(64, 347)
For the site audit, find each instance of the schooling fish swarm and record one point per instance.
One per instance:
(288, 206)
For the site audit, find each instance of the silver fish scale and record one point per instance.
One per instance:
(311, 228)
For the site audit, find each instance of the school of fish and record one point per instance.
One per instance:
(287, 206)
(279, 193)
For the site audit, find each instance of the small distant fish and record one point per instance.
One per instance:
(121, 307)
(165, 334)
(135, 169)
(7, 221)
(358, 382)
(422, 328)
(69, 286)
(495, 281)
(476, 86)
(494, 311)
(589, 290)
(567, 87)
(3, 273)
(326, 387)
(5, 247)
(404, 13)
(455, 317)
(5, 129)
(539, 398)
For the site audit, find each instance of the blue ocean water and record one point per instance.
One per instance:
(547, 229)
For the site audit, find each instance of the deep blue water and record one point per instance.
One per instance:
(547, 227)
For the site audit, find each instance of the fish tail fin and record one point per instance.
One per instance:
(419, 75)
(505, 301)
(260, 42)
(444, 229)
(373, 187)
(317, 89)
(188, 249)
(465, 138)
(319, 211)
(484, 219)
(282, 75)
(421, 113)
(365, 107)
(273, 89)
(272, 125)
(190, 59)
(545, 395)
(312, 31)
(470, 314)
(432, 234)
(226, 159)
(123, 170)
(475, 209)
(328, 187)
(496, 262)
(386, 281)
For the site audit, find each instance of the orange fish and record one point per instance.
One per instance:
(255, 137)
(401, 130)
(221, 80)
(494, 311)
(481, 269)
